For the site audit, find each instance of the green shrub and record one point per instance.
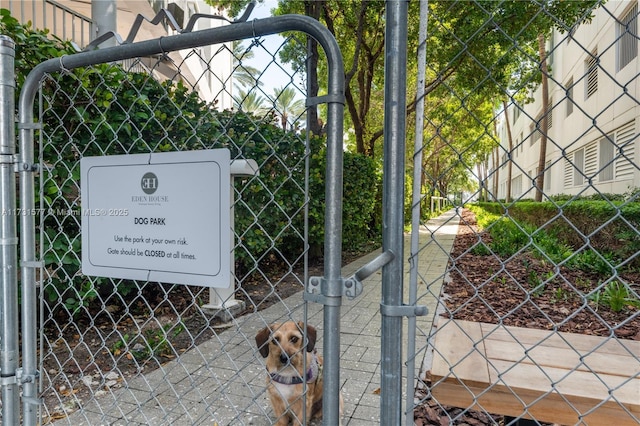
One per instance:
(507, 237)
(359, 199)
(547, 245)
(610, 228)
(106, 110)
(589, 260)
(616, 296)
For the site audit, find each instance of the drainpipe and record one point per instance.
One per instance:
(103, 15)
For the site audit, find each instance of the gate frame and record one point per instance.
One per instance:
(332, 284)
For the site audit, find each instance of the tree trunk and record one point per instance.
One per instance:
(507, 197)
(496, 165)
(544, 125)
(481, 181)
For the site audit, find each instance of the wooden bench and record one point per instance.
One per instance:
(548, 376)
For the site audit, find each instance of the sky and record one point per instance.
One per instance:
(274, 75)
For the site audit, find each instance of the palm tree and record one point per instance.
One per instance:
(286, 105)
(245, 75)
(250, 102)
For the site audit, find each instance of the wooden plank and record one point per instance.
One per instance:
(456, 358)
(550, 338)
(563, 357)
(541, 380)
(553, 408)
(546, 375)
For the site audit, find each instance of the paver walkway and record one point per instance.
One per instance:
(188, 391)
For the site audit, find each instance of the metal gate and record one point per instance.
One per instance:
(113, 351)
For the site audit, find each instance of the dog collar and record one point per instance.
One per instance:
(312, 374)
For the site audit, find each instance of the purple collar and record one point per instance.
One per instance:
(312, 374)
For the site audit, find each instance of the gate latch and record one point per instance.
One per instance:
(352, 286)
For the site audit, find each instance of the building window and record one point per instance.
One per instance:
(569, 97)
(578, 164)
(547, 176)
(627, 37)
(516, 113)
(550, 115)
(607, 149)
(516, 186)
(522, 143)
(536, 130)
(625, 141)
(592, 73)
(568, 172)
(591, 160)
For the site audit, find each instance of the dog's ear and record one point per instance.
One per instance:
(262, 341)
(311, 336)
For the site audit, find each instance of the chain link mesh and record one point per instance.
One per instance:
(537, 311)
(116, 351)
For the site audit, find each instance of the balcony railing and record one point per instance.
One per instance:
(59, 19)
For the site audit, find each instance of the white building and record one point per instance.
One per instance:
(594, 97)
(207, 69)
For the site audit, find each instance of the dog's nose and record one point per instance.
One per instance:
(284, 358)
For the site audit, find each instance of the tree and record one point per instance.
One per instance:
(287, 106)
(245, 75)
(482, 48)
(250, 102)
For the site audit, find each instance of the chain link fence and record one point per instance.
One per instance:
(538, 314)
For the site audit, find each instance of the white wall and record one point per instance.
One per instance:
(592, 118)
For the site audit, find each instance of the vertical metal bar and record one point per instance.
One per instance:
(395, 71)
(103, 17)
(29, 266)
(332, 284)
(8, 238)
(416, 202)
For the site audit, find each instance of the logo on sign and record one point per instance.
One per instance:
(149, 183)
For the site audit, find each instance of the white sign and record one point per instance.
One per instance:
(158, 217)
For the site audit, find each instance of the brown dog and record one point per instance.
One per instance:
(283, 346)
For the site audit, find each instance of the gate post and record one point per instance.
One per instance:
(395, 72)
(8, 239)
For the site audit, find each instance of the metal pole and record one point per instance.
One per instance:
(333, 283)
(104, 20)
(8, 239)
(395, 73)
(416, 201)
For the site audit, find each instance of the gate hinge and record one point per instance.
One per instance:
(313, 292)
(26, 378)
(403, 310)
(24, 167)
(19, 378)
